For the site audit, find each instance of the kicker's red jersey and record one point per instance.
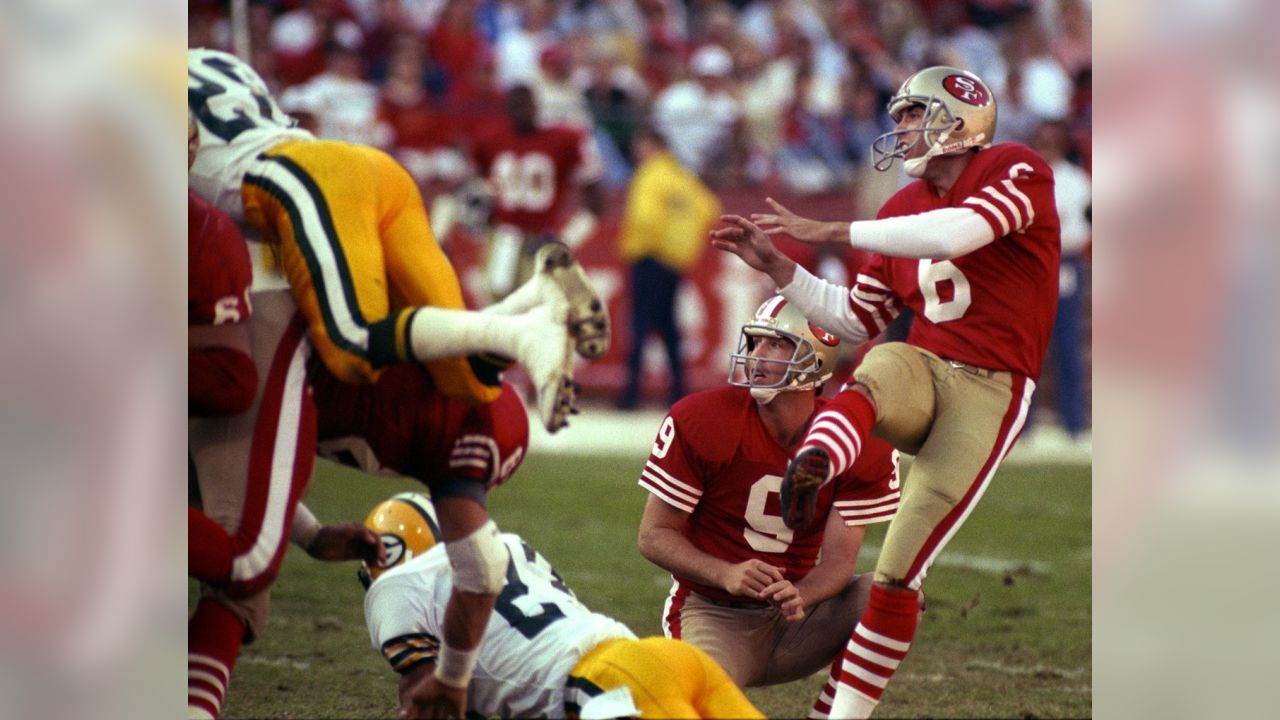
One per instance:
(713, 458)
(403, 425)
(532, 176)
(993, 307)
(218, 268)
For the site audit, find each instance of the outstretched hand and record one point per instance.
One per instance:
(744, 239)
(784, 222)
(347, 541)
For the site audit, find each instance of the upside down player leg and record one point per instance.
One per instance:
(374, 285)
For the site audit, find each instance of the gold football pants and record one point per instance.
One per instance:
(959, 421)
(352, 237)
(667, 679)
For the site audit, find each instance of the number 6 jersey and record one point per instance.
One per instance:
(713, 458)
(993, 307)
(537, 633)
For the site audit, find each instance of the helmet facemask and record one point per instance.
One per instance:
(934, 130)
(407, 528)
(959, 115)
(802, 371)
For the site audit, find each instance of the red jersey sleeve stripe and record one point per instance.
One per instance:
(649, 483)
(691, 490)
(996, 219)
(1026, 202)
(1015, 212)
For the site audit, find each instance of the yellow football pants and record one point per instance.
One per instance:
(667, 678)
(352, 238)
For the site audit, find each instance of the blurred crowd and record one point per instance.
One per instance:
(754, 97)
(747, 91)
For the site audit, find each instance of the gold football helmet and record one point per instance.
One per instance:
(959, 114)
(407, 527)
(812, 362)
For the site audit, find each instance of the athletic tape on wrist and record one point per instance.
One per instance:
(454, 666)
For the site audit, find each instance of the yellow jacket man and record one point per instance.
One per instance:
(664, 230)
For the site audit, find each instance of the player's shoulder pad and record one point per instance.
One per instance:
(1001, 157)
(712, 421)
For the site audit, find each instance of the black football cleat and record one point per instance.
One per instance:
(806, 474)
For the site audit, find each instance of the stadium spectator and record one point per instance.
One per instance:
(456, 46)
(663, 233)
(300, 38)
(561, 661)
(747, 589)
(1073, 196)
(972, 246)
(339, 104)
(518, 48)
(701, 119)
(616, 97)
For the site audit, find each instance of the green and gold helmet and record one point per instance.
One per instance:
(959, 114)
(406, 526)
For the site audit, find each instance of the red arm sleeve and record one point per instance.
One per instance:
(220, 381)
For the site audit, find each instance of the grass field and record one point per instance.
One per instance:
(1007, 633)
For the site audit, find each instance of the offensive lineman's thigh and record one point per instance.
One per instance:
(324, 203)
(740, 639)
(253, 467)
(667, 678)
(976, 422)
(810, 645)
(901, 384)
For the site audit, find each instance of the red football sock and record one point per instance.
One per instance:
(208, 549)
(878, 645)
(213, 643)
(840, 427)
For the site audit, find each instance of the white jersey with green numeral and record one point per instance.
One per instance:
(237, 118)
(537, 633)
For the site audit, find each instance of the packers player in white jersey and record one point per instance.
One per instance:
(347, 226)
(544, 653)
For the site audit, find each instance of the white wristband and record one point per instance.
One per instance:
(454, 666)
(305, 527)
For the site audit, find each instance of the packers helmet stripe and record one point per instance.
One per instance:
(411, 499)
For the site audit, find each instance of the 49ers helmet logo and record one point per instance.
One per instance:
(966, 89)
(823, 336)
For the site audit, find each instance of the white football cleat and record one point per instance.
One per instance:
(546, 352)
(567, 290)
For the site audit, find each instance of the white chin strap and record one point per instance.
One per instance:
(915, 167)
(764, 396)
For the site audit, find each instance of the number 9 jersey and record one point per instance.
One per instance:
(232, 103)
(714, 459)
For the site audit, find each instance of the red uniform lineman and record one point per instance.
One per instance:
(404, 426)
(973, 248)
(221, 376)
